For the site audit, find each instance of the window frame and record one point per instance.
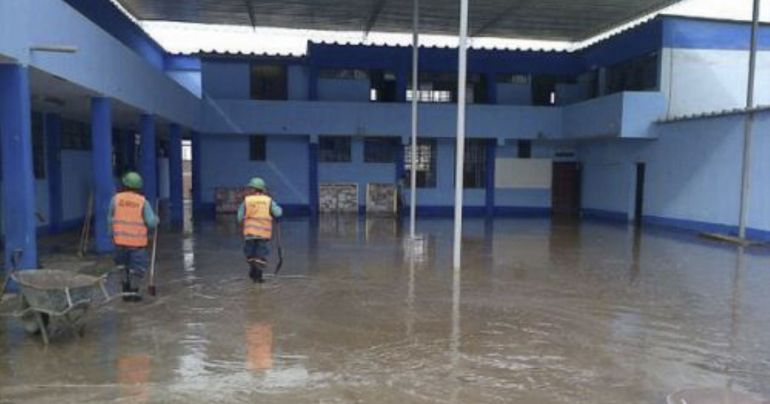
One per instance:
(269, 93)
(339, 152)
(475, 164)
(427, 176)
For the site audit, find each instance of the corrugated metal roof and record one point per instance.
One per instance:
(569, 20)
(715, 114)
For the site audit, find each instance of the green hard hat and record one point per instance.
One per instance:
(257, 183)
(132, 180)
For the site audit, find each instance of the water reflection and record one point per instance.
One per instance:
(340, 226)
(454, 338)
(133, 376)
(259, 347)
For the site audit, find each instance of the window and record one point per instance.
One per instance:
(343, 74)
(524, 149)
(38, 148)
(475, 166)
(520, 79)
(75, 135)
(257, 148)
(268, 82)
(638, 74)
(383, 86)
(380, 150)
(426, 94)
(425, 164)
(442, 88)
(334, 149)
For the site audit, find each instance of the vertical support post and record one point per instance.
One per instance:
(491, 155)
(18, 185)
(748, 125)
(176, 197)
(197, 192)
(415, 99)
(312, 195)
(462, 54)
(53, 161)
(148, 163)
(101, 164)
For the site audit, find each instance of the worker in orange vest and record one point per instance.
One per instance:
(129, 218)
(256, 214)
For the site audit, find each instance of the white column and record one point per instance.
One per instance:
(460, 152)
(415, 86)
(747, 132)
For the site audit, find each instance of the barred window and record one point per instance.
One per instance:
(268, 82)
(334, 149)
(425, 165)
(475, 167)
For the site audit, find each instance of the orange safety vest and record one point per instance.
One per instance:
(257, 219)
(128, 227)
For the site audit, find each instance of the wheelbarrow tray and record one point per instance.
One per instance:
(63, 296)
(56, 292)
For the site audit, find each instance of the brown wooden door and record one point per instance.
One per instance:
(565, 188)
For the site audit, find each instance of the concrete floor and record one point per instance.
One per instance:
(541, 312)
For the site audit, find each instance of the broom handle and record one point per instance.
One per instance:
(154, 248)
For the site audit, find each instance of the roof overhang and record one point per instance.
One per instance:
(565, 20)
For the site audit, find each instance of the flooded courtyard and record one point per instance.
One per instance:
(541, 312)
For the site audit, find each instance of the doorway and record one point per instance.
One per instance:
(565, 189)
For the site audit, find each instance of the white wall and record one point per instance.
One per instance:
(707, 80)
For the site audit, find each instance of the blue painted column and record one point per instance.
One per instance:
(197, 193)
(176, 197)
(491, 155)
(148, 166)
(312, 159)
(101, 163)
(53, 163)
(18, 183)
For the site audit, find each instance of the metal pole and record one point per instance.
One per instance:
(415, 87)
(460, 155)
(747, 133)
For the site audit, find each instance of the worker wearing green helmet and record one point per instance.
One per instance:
(128, 219)
(256, 214)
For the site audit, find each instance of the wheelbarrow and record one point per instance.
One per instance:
(54, 297)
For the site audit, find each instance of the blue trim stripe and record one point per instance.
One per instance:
(604, 215)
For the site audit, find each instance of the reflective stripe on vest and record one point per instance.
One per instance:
(257, 220)
(128, 227)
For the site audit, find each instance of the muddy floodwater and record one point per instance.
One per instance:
(542, 312)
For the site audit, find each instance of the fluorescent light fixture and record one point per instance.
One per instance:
(54, 48)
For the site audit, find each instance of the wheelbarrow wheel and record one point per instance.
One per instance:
(30, 320)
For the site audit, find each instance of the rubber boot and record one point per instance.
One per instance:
(254, 273)
(260, 269)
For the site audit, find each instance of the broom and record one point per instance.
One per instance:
(151, 284)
